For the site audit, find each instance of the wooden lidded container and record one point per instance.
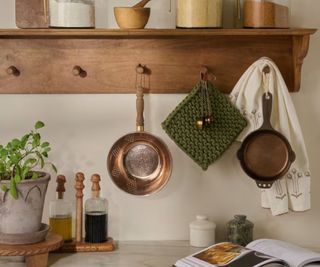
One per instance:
(266, 13)
(199, 13)
(32, 14)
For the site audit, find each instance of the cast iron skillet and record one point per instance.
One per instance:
(139, 163)
(266, 155)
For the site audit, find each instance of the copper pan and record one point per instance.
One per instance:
(139, 163)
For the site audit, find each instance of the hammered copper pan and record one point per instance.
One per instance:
(266, 155)
(139, 163)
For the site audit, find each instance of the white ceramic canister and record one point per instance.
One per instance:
(72, 13)
(199, 13)
(202, 232)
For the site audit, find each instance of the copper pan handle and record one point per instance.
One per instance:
(140, 108)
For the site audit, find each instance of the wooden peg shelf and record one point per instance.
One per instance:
(46, 58)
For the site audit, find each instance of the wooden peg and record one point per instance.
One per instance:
(61, 180)
(79, 206)
(95, 179)
(12, 70)
(78, 71)
(204, 73)
(266, 69)
(140, 69)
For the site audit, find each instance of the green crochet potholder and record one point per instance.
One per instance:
(207, 145)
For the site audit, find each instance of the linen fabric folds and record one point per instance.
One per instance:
(206, 145)
(291, 192)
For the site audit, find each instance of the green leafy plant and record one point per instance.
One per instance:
(20, 157)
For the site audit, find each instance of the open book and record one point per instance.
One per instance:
(262, 252)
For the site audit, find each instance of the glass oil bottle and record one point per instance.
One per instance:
(60, 212)
(96, 214)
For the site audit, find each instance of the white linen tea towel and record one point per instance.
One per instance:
(292, 192)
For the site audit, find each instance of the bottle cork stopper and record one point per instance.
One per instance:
(61, 180)
(95, 179)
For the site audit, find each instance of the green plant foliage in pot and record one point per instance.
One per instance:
(23, 185)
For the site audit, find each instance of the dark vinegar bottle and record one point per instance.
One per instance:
(96, 214)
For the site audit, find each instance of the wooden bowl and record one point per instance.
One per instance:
(132, 18)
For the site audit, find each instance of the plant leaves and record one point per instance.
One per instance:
(15, 143)
(36, 140)
(13, 189)
(35, 176)
(17, 178)
(4, 188)
(24, 140)
(45, 154)
(41, 159)
(38, 125)
(45, 144)
(54, 168)
(29, 162)
(3, 152)
(24, 172)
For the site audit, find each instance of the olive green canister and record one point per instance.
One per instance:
(240, 230)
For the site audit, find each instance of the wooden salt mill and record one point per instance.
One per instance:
(79, 205)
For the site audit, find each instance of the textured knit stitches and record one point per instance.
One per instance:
(207, 145)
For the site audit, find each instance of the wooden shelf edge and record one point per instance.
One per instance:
(112, 33)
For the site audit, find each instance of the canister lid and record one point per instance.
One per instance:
(202, 223)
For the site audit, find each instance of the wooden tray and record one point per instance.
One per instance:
(70, 247)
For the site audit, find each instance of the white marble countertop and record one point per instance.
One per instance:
(127, 254)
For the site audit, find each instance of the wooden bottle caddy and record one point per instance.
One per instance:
(78, 244)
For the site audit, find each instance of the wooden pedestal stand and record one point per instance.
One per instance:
(78, 244)
(36, 255)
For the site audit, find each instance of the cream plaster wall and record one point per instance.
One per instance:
(81, 129)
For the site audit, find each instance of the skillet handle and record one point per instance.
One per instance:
(267, 99)
(264, 185)
(140, 108)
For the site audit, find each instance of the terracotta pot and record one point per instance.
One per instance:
(23, 215)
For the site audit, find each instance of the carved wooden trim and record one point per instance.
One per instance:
(300, 50)
(51, 243)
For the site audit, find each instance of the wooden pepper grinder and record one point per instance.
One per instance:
(79, 205)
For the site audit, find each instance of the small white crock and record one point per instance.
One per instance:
(202, 232)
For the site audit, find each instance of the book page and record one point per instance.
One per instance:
(226, 255)
(295, 256)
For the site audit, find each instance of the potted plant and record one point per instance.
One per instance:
(23, 185)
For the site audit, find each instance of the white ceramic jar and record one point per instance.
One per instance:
(199, 13)
(202, 232)
(72, 13)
